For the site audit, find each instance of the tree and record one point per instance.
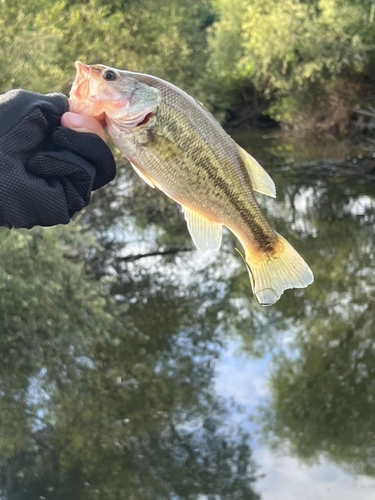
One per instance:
(43, 39)
(302, 55)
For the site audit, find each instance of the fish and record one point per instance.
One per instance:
(176, 145)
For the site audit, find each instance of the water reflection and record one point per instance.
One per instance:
(109, 374)
(322, 382)
(133, 413)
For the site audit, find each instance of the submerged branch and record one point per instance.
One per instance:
(171, 251)
(362, 167)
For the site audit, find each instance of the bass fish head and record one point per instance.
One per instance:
(110, 94)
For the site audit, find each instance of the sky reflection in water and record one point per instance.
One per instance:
(204, 394)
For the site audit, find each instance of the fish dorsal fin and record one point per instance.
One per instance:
(205, 233)
(142, 175)
(260, 180)
(201, 105)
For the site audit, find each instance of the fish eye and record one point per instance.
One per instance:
(109, 75)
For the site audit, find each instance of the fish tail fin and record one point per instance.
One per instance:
(273, 272)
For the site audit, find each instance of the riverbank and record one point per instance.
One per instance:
(342, 115)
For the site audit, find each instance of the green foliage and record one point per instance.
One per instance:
(28, 40)
(293, 50)
(226, 39)
(40, 40)
(299, 55)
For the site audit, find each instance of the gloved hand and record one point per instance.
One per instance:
(47, 171)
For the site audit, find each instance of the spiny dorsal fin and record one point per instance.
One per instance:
(201, 105)
(205, 233)
(260, 180)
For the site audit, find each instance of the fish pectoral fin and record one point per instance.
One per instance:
(260, 180)
(142, 175)
(205, 233)
(164, 148)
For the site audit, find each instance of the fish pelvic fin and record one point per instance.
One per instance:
(273, 272)
(206, 234)
(260, 180)
(142, 175)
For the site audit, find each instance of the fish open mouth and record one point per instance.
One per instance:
(81, 100)
(81, 85)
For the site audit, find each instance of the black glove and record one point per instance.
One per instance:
(47, 172)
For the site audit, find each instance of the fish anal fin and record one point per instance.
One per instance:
(142, 175)
(260, 180)
(273, 272)
(205, 233)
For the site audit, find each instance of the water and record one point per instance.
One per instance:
(198, 392)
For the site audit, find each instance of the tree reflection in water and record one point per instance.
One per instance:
(322, 400)
(107, 373)
(104, 398)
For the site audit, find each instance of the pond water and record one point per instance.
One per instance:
(204, 394)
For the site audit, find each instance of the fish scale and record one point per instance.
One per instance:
(233, 189)
(185, 182)
(177, 146)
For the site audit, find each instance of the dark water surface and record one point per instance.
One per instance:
(204, 394)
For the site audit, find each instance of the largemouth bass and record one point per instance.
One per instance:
(177, 146)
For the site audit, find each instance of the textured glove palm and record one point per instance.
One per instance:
(47, 171)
